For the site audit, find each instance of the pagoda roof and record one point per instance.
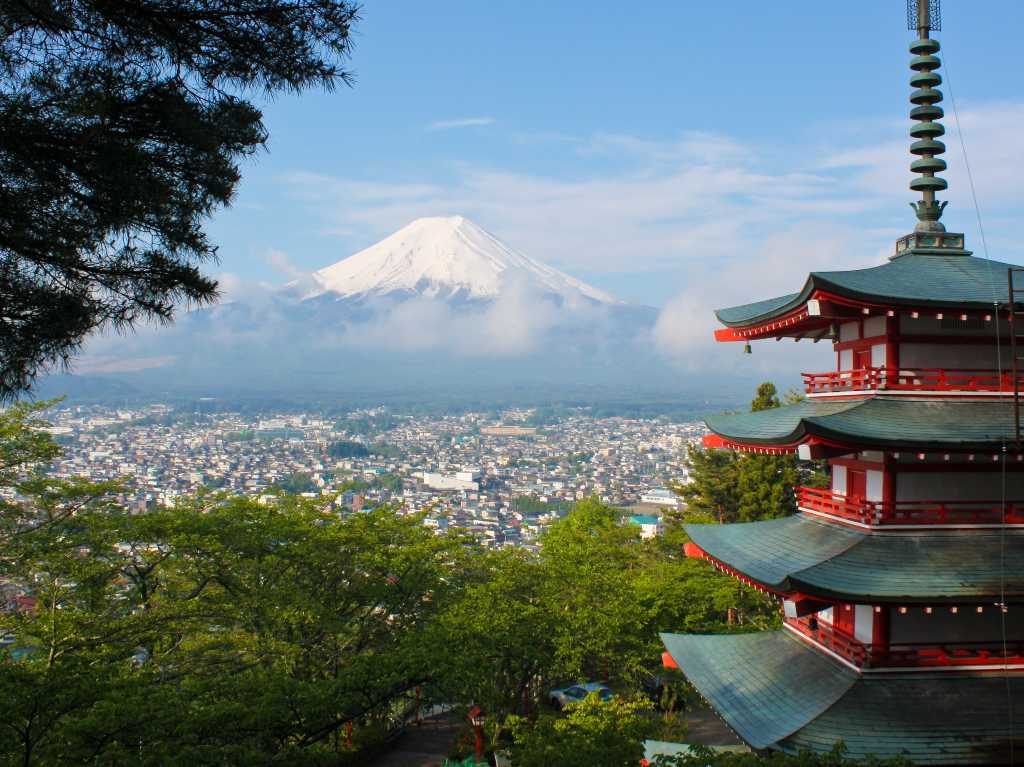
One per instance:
(806, 555)
(910, 280)
(775, 691)
(896, 422)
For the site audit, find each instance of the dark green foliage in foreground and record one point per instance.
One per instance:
(593, 733)
(121, 129)
(224, 631)
(220, 631)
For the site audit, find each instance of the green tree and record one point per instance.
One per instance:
(730, 486)
(500, 636)
(765, 398)
(594, 733)
(219, 631)
(122, 126)
(296, 483)
(347, 449)
(711, 494)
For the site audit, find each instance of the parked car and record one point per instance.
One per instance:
(562, 696)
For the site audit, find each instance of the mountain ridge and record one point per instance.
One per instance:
(447, 258)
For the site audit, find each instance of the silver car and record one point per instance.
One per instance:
(563, 696)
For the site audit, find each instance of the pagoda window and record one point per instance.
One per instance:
(874, 480)
(839, 480)
(916, 626)
(874, 327)
(864, 623)
(849, 331)
(957, 486)
(952, 356)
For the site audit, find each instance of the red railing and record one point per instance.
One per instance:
(908, 654)
(915, 379)
(910, 512)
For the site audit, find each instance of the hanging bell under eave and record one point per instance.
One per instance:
(747, 349)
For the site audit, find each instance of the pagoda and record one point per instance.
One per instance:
(902, 583)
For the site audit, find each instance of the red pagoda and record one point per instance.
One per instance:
(902, 584)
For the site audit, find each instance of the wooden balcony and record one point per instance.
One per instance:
(910, 512)
(908, 655)
(965, 381)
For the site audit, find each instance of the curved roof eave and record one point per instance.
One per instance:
(913, 276)
(811, 556)
(776, 691)
(873, 422)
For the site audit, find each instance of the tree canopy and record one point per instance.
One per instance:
(225, 630)
(122, 125)
(731, 486)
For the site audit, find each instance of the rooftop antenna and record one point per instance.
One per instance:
(925, 16)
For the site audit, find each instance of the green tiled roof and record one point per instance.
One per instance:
(912, 280)
(929, 719)
(875, 421)
(766, 686)
(800, 553)
(777, 692)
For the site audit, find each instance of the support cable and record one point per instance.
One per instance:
(999, 364)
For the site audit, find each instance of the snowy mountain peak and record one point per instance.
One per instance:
(445, 258)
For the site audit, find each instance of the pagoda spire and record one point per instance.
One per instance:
(925, 16)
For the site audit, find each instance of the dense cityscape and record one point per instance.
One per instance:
(503, 479)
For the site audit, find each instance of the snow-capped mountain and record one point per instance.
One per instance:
(440, 303)
(445, 258)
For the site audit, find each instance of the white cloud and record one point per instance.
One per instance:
(93, 364)
(462, 122)
(735, 221)
(282, 263)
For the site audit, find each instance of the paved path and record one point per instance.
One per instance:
(425, 746)
(429, 744)
(704, 727)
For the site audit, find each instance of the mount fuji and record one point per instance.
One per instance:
(441, 302)
(449, 259)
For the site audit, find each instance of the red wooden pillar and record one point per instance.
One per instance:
(888, 485)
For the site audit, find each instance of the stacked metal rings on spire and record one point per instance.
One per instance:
(926, 110)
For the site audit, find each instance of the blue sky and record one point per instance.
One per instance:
(679, 154)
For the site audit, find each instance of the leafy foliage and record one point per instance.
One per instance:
(730, 486)
(347, 449)
(226, 631)
(595, 733)
(589, 606)
(217, 631)
(121, 130)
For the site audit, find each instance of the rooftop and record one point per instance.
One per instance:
(777, 692)
(912, 281)
(874, 422)
(800, 553)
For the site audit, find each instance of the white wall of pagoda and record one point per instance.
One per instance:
(879, 341)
